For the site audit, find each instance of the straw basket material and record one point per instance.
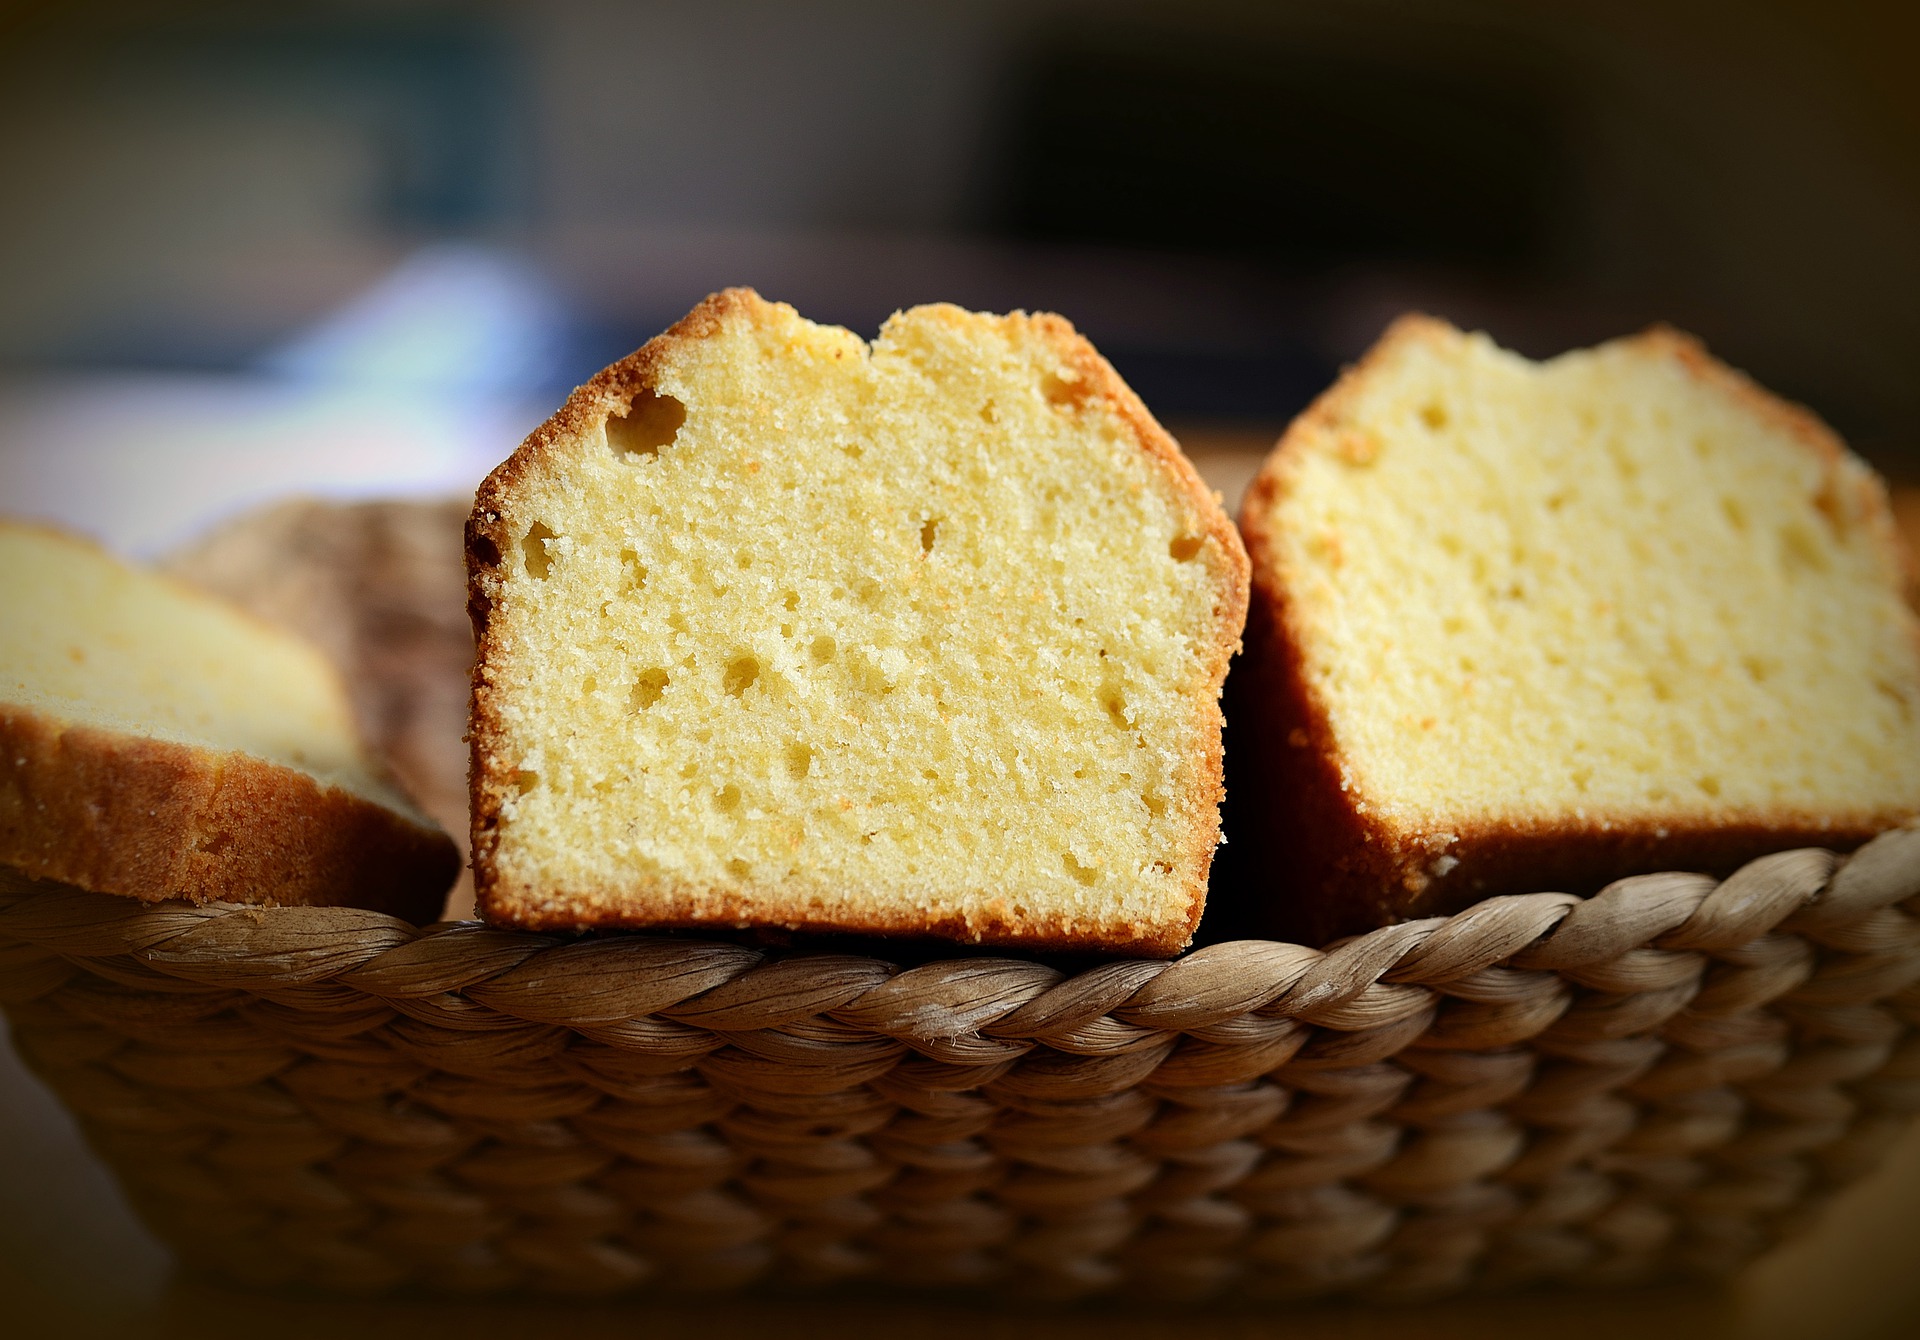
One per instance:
(1662, 1079)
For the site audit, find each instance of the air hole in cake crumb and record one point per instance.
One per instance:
(1827, 503)
(1184, 547)
(1155, 805)
(743, 559)
(1800, 551)
(589, 686)
(868, 676)
(1556, 501)
(651, 422)
(1661, 685)
(799, 760)
(534, 550)
(739, 869)
(929, 530)
(1708, 785)
(1059, 391)
(647, 689)
(1434, 416)
(741, 673)
(990, 412)
(853, 450)
(1736, 514)
(1897, 695)
(486, 550)
(727, 799)
(1115, 704)
(1757, 669)
(823, 650)
(524, 781)
(1084, 874)
(1357, 448)
(633, 573)
(790, 601)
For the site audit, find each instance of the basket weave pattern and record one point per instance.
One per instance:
(1661, 1079)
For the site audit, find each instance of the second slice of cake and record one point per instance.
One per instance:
(1524, 626)
(777, 628)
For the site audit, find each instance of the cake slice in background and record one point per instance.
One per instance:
(158, 743)
(379, 586)
(1524, 626)
(780, 629)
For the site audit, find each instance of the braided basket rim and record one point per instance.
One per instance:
(1785, 991)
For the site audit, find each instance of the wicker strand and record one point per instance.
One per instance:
(1657, 1079)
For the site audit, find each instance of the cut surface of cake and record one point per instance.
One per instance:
(1524, 626)
(159, 743)
(778, 628)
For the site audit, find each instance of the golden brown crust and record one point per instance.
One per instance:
(1321, 866)
(1231, 593)
(151, 819)
(490, 776)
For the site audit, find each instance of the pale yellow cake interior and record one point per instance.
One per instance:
(87, 640)
(892, 631)
(1603, 587)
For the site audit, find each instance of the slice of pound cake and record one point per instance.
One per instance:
(157, 743)
(1525, 626)
(781, 629)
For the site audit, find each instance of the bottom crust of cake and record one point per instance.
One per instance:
(153, 819)
(1304, 864)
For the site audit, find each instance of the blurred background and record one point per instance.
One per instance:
(359, 248)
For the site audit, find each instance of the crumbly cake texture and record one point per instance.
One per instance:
(157, 743)
(781, 629)
(1523, 626)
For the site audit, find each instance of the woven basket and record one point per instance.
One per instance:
(1660, 1080)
